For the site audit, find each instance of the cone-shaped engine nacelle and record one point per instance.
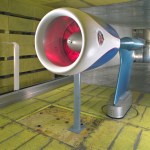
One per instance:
(69, 41)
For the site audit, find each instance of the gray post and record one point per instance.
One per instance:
(16, 66)
(77, 127)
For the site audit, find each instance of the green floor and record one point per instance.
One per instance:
(43, 122)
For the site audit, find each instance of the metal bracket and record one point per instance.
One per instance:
(77, 126)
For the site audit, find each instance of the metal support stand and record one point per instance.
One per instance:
(123, 98)
(77, 127)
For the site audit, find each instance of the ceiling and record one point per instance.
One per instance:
(77, 3)
(133, 13)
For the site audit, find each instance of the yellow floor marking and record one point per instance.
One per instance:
(87, 107)
(55, 123)
(57, 96)
(17, 105)
(99, 108)
(102, 137)
(56, 145)
(4, 121)
(48, 94)
(33, 112)
(35, 143)
(145, 120)
(145, 101)
(82, 112)
(134, 115)
(127, 138)
(69, 100)
(17, 140)
(66, 87)
(63, 107)
(55, 117)
(70, 87)
(26, 110)
(135, 96)
(97, 91)
(66, 100)
(88, 89)
(107, 93)
(84, 85)
(142, 119)
(144, 143)
(9, 131)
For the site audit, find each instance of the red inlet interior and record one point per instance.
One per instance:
(55, 43)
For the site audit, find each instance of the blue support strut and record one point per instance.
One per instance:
(126, 61)
(123, 97)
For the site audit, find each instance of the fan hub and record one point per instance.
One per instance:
(75, 41)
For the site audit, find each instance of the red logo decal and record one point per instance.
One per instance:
(100, 38)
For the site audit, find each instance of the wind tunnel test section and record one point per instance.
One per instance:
(69, 41)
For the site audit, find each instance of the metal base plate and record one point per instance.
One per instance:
(76, 130)
(122, 107)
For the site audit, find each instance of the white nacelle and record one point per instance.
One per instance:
(99, 40)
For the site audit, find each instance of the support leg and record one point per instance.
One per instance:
(123, 98)
(77, 127)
